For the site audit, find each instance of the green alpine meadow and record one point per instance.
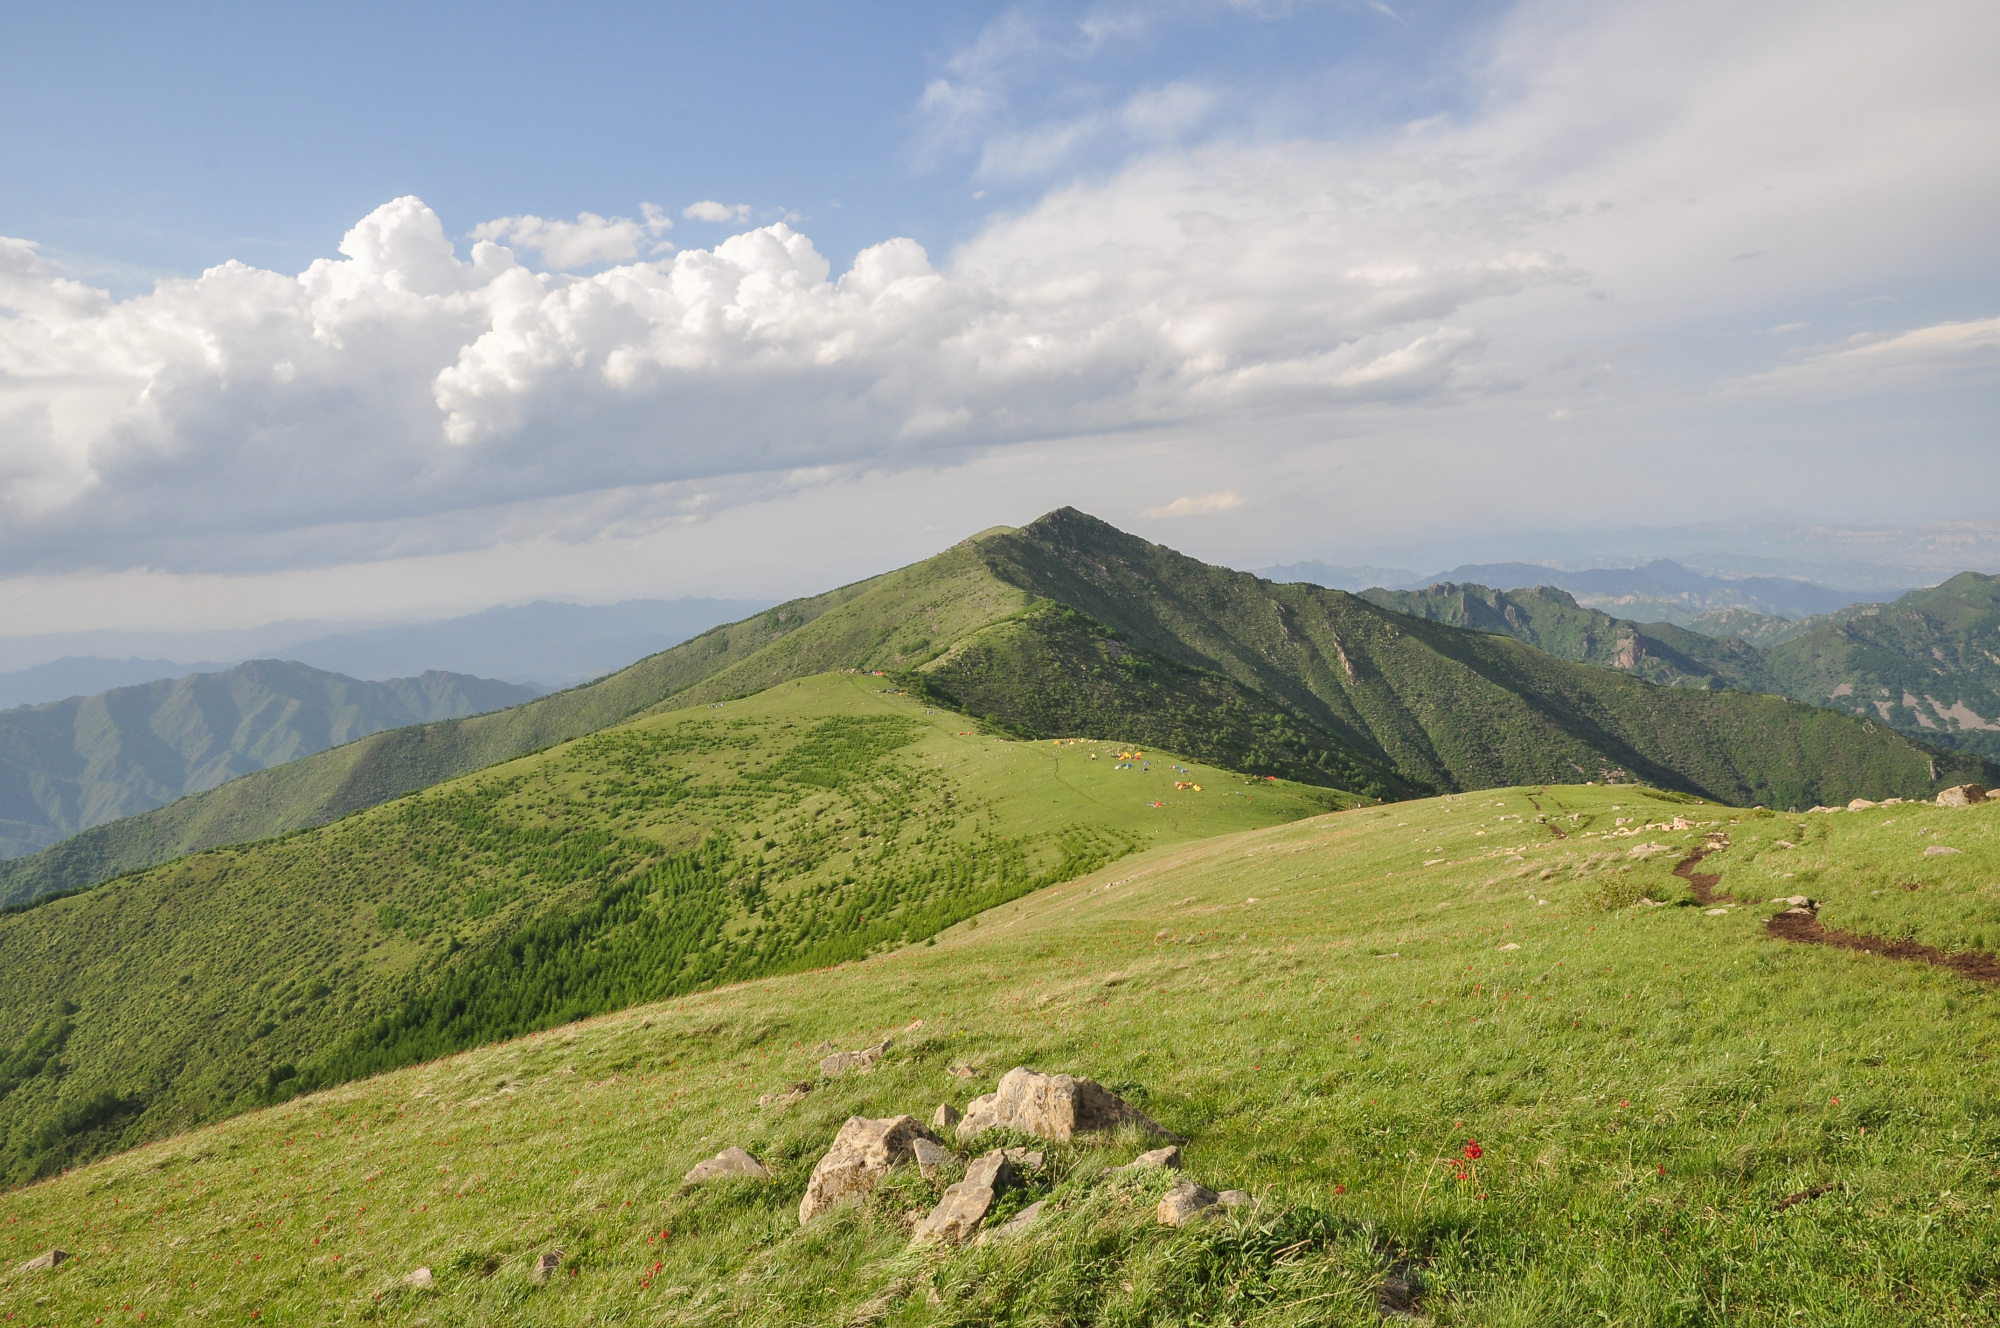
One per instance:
(1528, 1055)
(1454, 956)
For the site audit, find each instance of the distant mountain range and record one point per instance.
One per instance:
(547, 644)
(1927, 664)
(1660, 590)
(68, 765)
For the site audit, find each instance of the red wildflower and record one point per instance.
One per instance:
(1473, 1152)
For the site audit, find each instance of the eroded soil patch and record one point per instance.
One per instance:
(1806, 929)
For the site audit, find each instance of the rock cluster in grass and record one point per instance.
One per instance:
(1048, 1106)
(1963, 795)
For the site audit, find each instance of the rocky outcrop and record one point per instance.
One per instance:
(729, 1164)
(958, 1215)
(1050, 1106)
(1962, 795)
(861, 1155)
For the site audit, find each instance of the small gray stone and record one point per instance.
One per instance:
(1025, 1158)
(545, 1267)
(1168, 1158)
(963, 1072)
(1399, 1293)
(843, 1061)
(1940, 851)
(1184, 1203)
(785, 1097)
(1232, 1198)
(1016, 1224)
(931, 1156)
(44, 1261)
(420, 1279)
(944, 1117)
(729, 1164)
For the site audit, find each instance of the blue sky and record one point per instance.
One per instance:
(158, 139)
(383, 310)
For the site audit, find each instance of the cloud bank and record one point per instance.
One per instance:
(1597, 198)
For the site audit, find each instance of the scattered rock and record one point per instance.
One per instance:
(1798, 913)
(1185, 1202)
(1399, 1293)
(930, 1156)
(944, 1117)
(1168, 1158)
(1797, 900)
(966, 1204)
(785, 1097)
(1509, 946)
(843, 1061)
(1962, 795)
(44, 1261)
(1027, 1159)
(1861, 805)
(729, 1164)
(421, 1278)
(545, 1267)
(1050, 1106)
(1715, 912)
(1940, 851)
(1016, 1224)
(1233, 1198)
(861, 1154)
(963, 1072)
(823, 1048)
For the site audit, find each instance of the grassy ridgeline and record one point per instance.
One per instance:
(1324, 1009)
(1070, 625)
(809, 825)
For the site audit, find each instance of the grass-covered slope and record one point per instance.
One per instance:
(68, 765)
(1927, 664)
(813, 823)
(1551, 620)
(1680, 1118)
(319, 788)
(1450, 707)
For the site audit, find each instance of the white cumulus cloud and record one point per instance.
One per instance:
(585, 242)
(1202, 506)
(408, 387)
(710, 210)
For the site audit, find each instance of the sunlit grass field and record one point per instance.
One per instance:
(1330, 1012)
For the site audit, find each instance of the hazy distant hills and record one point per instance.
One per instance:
(545, 643)
(68, 765)
(84, 675)
(1661, 590)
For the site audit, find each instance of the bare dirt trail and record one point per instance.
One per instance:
(1802, 927)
